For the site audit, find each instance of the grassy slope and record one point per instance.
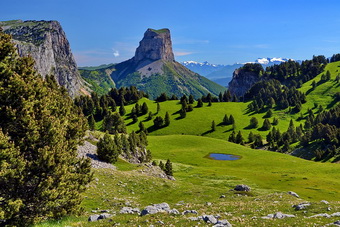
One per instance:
(263, 170)
(200, 180)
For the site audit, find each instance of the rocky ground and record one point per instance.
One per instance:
(89, 150)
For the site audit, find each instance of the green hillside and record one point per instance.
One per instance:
(188, 141)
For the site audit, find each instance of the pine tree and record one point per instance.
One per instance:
(191, 99)
(269, 114)
(275, 121)
(239, 138)
(232, 137)
(144, 109)
(158, 107)
(183, 113)
(266, 125)
(199, 103)
(141, 127)
(149, 116)
(161, 165)
(168, 168)
(225, 120)
(167, 119)
(107, 149)
(213, 126)
(158, 122)
(254, 122)
(122, 110)
(251, 137)
(40, 174)
(91, 122)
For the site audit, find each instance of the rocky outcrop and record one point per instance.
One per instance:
(242, 81)
(155, 45)
(154, 70)
(46, 43)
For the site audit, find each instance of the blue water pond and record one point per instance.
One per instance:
(223, 157)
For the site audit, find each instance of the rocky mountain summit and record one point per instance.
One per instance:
(46, 43)
(153, 69)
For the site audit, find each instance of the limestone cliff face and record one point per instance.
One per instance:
(242, 81)
(155, 45)
(46, 43)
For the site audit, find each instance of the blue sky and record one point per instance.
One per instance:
(218, 31)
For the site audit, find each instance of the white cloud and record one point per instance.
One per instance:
(116, 53)
(182, 53)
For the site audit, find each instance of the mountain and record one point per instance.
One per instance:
(222, 74)
(203, 69)
(46, 43)
(154, 70)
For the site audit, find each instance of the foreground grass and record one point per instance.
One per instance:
(200, 180)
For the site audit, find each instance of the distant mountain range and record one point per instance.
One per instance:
(222, 74)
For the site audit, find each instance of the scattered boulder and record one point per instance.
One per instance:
(174, 211)
(301, 206)
(94, 217)
(129, 210)
(208, 203)
(337, 214)
(278, 215)
(222, 196)
(209, 219)
(325, 215)
(189, 212)
(324, 201)
(293, 194)
(242, 188)
(157, 208)
(104, 216)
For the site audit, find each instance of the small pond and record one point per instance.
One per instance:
(223, 157)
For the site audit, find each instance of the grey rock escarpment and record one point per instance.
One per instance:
(46, 43)
(242, 81)
(155, 45)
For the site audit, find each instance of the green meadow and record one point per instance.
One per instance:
(188, 142)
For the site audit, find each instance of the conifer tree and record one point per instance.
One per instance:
(149, 116)
(266, 125)
(107, 149)
(199, 103)
(183, 113)
(168, 168)
(275, 121)
(158, 107)
(269, 114)
(144, 109)
(141, 127)
(254, 122)
(225, 120)
(91, 122)
(232, 137)
(251, 137)
(161, 165)
(158, 122)
(40, 127)
(167, 119)
(122, 110)
(239, 138)
(213, 126)
(191, 99)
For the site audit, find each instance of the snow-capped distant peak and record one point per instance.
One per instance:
(266, 61)
(192, 63)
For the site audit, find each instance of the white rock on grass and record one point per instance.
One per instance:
(278, 215)
(293, 194)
